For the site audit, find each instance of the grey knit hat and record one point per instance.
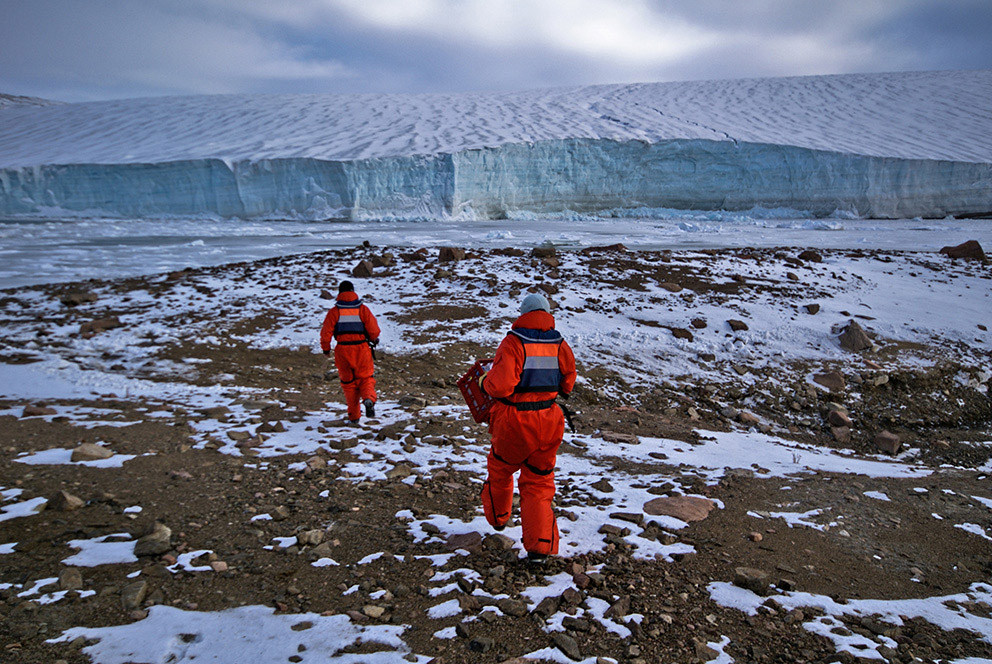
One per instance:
(534, 302)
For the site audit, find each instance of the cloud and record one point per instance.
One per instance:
(92, 49)
(105, 48)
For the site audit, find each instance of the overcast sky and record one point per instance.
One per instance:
(76, 50)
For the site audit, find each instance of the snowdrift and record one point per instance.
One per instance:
(880, 145)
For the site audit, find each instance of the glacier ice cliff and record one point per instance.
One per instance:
(550, 176)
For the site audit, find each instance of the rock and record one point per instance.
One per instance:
(398, 472)
(684, 508)
(156, 542)
(698, 323)
(625, 438)
(747, 418)
(133, 594)
(373, 611)
(854, 339)
(838, 418)
(316, 463)
(671, 288)
(543, 252)
(970, 249)
(90, 452)
(38, 411)
(362, 270)
(548, 288)
(385, 260)
(469, 541)
(812, 309)
(682, 333)
(411, 402)
(512, 607)
(216, 412)
(75, 298)
(567, 645)
(481, 644)
(841, 434)
(238, 436)
(703, 651)
(888, 442)
(832, 380)
(450, 254)
(792, 276)
(63, 501)
(311, 537)
(811, 256)
(737, 325)
(92, 327)
(497, 542)
(602, 485)
(280, 513)
(70, 578)
(218, 566)
(547, 607)
(751, 579)
(575, 624)
(326, 294)
(469, 603)
(755, 536)
(618, 609)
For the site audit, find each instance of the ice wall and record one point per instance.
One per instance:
(582, 175)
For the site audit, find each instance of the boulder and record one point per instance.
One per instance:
(326, 294)
(411, 402)
(450, 254)
(385, 260)
(854, 339)
(838, 418)
(70, 578)
(684, 508)
(93, 327)
(38, 411)
(63, 501)
(682, 333)
(737, 325)
(156, 542)
(811, 256)
(362, 270)
(832, 380)
(90, 452)
(133, 594)
(698, 323)
(811, 309)
(841, 434)
(567, 645)
(751, 579)
(543, 252)
(671, 288)
(888, 442)
(75, 298)
(970, 249)
(471, 542)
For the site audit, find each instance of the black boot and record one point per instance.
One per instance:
(369, 408)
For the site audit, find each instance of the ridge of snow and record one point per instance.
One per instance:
(917, 115)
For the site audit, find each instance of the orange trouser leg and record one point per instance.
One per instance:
(497, 491)
(538, 518)
(366, 388)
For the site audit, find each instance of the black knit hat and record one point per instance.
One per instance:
(346, 287)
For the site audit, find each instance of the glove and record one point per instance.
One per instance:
(327, 352)
(564, 395)
(373, 343)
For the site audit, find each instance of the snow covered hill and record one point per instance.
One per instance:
(878, 145)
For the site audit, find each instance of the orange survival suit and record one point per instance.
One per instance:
(352, 326)
(533, 364)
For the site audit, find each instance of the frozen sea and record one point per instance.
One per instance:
(60, 250)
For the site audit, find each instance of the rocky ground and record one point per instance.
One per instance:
(265, 477)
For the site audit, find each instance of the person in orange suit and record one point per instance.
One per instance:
(533, 365)
(355, 331)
